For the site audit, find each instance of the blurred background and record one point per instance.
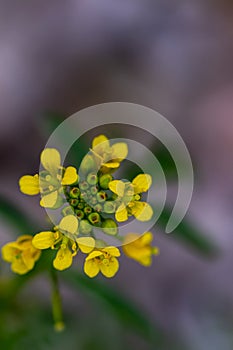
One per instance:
(175, 57)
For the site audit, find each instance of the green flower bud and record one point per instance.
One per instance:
(104, 181)
(98, 208)
(110, 227)
(83, 186)
(80, 205)
(99, 244)
(79, 213)
(74, 192)
(109, 207)
(93, 201)
(101, 196)
(87, 210)
(93, 190)
(92, 179)
(83, 197)
(67, 211)
(114, 196)
(94, 218)
(74, 202)
(85, 227)
(88, 164)
(137, 197)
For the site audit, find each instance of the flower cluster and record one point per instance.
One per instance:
(87, 199)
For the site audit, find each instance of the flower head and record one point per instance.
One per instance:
(21, 254)
(139, 248)
(102, 260)
(108, 157)
(50, 181)
(129, 195)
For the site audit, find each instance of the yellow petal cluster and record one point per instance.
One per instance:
(66, 240)
(102, 260)
(49, 183)
(109, 157)
(129, 195)
(139, 248)
(21, 254)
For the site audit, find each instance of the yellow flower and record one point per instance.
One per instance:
(66, 234)
(102, 260)
(21, 254)
(108, 157)
(138, 247)
(129, 196)
(49, 183)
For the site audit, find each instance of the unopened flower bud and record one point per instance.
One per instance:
(87, 210)
(74, 192)
(101, 196)
(74, 202)
(80, 205)
(93, 190)
(104, 181)
(94, 218)
(67, 211)
(83, 185)
(85, 227)
(79, 213)
(110, 227)
(98, 208)
(99, 244)
(92, 179)
(109, 207)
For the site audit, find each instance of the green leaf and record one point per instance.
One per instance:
(123, 309)
(15, 216)
(188, 234)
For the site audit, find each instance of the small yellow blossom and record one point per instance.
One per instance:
(138, 247)
(129, 195)
(109, 157)
(21, 254)
(49, 183)
(102, 260)
(66, 237)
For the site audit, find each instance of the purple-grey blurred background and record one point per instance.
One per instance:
(173, 56)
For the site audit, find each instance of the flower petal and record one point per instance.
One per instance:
(49, 200)
(111, 165)
(91, 268)
(43, 240)
(18, 266)
(146, 238)
(24, 242)
(142, 211)
(70, 176)
(118, 187)
(51, 160)
(28, 259)
(86, 244)
(69, 224)
(9, 251)
(119, 151)
(113, 251)
(121, 214)
(63, 259)
(94, 254)
(109, 267)
(101, 139)
(29, 184)
(142, 183)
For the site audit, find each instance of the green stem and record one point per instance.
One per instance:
(56, 303)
